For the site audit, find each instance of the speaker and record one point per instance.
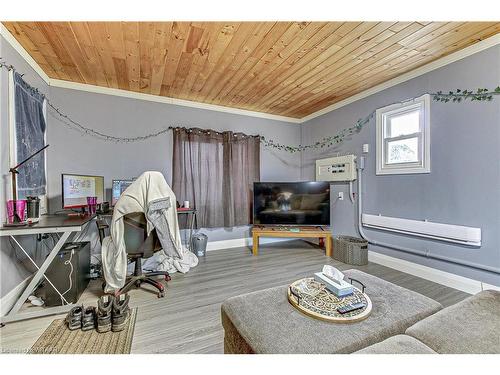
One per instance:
(69, 272)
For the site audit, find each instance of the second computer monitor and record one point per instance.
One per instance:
(117, 189)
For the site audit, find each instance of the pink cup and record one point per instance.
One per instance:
(92, 205)
(20, 209)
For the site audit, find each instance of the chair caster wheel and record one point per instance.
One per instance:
(161, 294)
(167, 278)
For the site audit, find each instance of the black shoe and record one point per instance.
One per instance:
(121, 312)
(88, 319)
(74, 318)
(104, 313)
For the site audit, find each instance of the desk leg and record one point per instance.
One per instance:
(328, 247)
(36, 279)
(191, 227)
(255, 247)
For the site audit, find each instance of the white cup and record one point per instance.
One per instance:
(186, 204)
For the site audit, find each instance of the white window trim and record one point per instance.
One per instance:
(423, 166)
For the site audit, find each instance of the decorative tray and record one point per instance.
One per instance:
(313, 299)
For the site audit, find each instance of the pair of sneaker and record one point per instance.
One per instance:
(112, 312)
(111, 315)
(80, 317)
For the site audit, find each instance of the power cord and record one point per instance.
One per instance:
(66, 263)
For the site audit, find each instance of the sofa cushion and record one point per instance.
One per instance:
(265, 322)
(399, 344)
(470, 326)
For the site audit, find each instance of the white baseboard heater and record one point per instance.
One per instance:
(443, 232)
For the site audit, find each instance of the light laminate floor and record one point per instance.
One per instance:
(187, 320)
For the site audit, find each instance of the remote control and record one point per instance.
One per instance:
(348, 308)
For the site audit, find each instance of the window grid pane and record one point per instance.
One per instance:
(403, 151)
(404, 124)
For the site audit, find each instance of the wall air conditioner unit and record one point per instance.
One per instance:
(443, 232)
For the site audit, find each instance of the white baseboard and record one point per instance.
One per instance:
(241, 242)
(8, 301)
(441, 277)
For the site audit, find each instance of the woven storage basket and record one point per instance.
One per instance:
(350, 250)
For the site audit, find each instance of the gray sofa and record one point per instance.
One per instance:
(401, 321)
(468, 327)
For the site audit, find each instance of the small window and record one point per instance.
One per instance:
(403, 137)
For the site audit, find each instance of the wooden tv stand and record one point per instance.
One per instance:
(323, 233)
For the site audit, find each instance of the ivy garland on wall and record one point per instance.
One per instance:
(480, 95)
(457, 96)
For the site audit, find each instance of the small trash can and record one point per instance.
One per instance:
(350, 250)
(199, 244)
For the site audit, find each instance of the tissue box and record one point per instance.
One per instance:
(340, 289)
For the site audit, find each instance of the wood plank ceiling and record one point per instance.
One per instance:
(284, 68)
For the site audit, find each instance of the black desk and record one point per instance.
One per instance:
(65, 224)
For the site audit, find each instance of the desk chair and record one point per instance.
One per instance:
(138, 246)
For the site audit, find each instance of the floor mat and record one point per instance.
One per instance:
(58, 339)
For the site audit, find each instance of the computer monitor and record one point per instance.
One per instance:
(76, 188)
(117, 189)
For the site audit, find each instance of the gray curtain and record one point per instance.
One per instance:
(30, 137)
(215, 172)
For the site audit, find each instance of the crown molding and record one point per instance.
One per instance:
(468, 51)
(24, 54)
(436, 64)
(166, 100)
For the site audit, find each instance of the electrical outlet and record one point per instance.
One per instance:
(341, 195)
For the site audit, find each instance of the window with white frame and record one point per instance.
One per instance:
(403, 137)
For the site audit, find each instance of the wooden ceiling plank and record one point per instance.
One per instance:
(461, 32)
(199, 56)
(89, 51)
(397, 37)
(258, 71)
(48, 29)
(230, 52)
(339, 77)
(162, 35)
(131, 44)
(215, 52)
(178, 38)
(146, 38)
(224, 85)
(363, 52)
(341, 37)
(196, 38)
(392, 68)
(316, 74)
(78, 56)
(269, 68)
(277, 30)
(35, 44)
(99, 36)
(313, 42)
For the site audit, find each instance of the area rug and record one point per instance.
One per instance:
(58, 339)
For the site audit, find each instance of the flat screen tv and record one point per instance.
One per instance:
(291, 203)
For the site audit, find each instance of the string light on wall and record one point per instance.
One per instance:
(457, 96)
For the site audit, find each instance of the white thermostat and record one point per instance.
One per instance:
(338, 168)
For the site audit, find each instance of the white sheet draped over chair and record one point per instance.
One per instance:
(151, 195)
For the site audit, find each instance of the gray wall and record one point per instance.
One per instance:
(71, 152)
(12, 271)
(463, 187)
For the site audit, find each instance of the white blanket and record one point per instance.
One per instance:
(151, 195)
